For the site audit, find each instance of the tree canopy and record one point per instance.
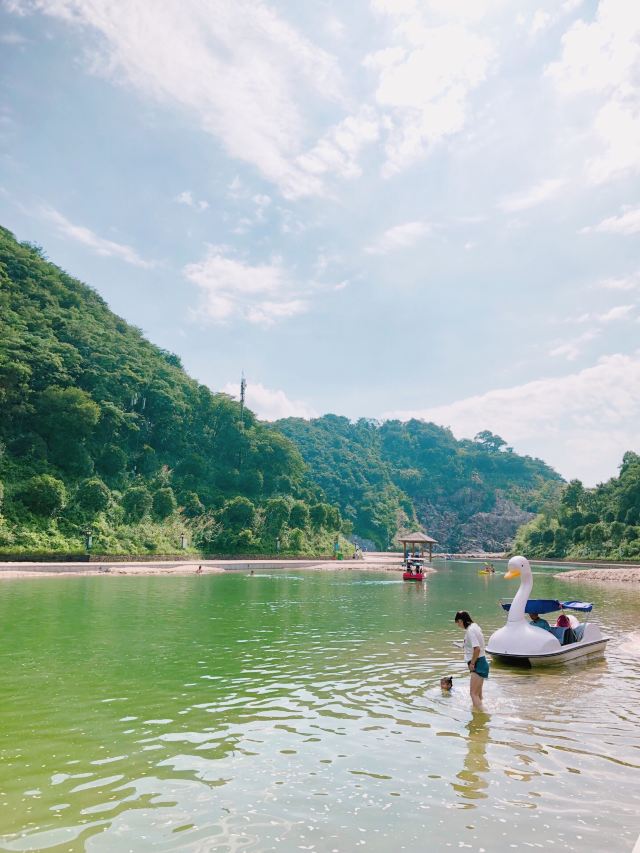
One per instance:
(101, 426)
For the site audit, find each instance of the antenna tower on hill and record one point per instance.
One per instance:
(243, 388)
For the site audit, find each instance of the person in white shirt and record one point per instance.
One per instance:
(474, 656)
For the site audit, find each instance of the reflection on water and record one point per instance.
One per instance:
(473, 780)
(288, 712)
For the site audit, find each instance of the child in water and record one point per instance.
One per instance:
(446, 683)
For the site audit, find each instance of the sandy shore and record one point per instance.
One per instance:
(371, 562)
(623, 574)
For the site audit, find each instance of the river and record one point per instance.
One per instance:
(290, 711)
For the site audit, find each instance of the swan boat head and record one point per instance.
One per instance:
(519, 637)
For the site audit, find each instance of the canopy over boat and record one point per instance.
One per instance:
(550, 605)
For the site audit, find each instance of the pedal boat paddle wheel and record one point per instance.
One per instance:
(521, 642)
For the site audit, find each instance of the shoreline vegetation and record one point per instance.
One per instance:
(372, 562)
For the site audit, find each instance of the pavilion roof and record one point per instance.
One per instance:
(418, 536)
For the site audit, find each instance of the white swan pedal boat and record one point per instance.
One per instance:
(519, 641)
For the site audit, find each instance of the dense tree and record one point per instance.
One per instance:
(83, 391)
(391, 476)
(590, 523)
(239, 513)
(163, 503)
(43, 494)
(137, 502)
(93, 496)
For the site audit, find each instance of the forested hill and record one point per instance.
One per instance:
(102, 431)
(598, 523)
(385, 476)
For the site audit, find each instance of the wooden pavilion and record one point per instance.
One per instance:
(412, 541)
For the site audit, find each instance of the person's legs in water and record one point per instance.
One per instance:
(475, 688)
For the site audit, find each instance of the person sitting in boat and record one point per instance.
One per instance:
(538, 622)
(563, 621)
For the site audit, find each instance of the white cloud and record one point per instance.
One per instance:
(338, 151)
(630, 282)
(270, 405)
(245, 73)
(187, 199)
(541, 20)
(601, 59)
(262, 294)
(399, 237)
(535, 195)
(560, 419)
(462, 11)
(425, 79)
(12, 37)
(619, 312)
(627, 223)
(99, 245)
(573, 347)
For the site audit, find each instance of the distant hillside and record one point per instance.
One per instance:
(385, 476)
(599, 523)
(103, 431)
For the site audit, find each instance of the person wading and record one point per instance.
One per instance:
(475, 659)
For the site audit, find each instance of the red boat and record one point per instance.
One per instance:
(413, 576)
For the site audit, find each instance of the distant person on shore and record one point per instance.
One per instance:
(538, 622)
(474, 656)
(199, 570)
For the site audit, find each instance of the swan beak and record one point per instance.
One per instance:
(512, 573)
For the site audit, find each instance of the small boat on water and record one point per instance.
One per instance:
(413, 569)
(519, 641)
(413, 576)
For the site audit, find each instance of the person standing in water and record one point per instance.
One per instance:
(474, 655)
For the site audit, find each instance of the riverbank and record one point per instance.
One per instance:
(622, 574)
(371, 562)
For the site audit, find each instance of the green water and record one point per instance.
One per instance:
(302, 711)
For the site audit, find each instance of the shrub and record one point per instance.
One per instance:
(276, 515)
(93, 496)
(299, 515)
(193, 506)
(318, 515)
(136, 502)
(43, 495)
(251, 481)
(112, 461)
(238, 513)
(164, 503)
(296, 540)
(245, 540)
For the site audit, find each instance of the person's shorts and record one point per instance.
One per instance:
(482, 667)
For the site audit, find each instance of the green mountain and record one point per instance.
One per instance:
(599, 523)
(103, 431)
(392, 475)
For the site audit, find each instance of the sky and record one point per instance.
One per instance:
(381, 209)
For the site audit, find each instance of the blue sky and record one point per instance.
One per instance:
(403, 208)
